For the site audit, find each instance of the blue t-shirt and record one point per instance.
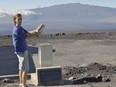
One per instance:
(19, 35)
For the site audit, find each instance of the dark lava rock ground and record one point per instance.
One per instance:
(94, 72)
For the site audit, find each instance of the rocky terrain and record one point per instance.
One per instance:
(87, 59)
(94, 72)
(7, 39)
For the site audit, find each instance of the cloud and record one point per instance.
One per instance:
(23, 12)
(2, 15)
(5, 12)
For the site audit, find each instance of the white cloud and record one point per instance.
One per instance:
(5, 12)
(23, 12)
(2, 15)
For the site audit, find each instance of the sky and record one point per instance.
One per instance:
(30, 4)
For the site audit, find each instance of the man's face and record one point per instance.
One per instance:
(18, 21)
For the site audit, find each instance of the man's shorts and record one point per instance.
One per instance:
(23, 61)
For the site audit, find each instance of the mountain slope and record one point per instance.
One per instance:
(66, 17)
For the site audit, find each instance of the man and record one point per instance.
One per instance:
(19, 36)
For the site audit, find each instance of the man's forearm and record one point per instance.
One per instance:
(32, 32)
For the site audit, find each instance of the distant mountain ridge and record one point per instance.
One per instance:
(66, 18)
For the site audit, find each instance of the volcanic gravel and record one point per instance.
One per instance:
(94, 72)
